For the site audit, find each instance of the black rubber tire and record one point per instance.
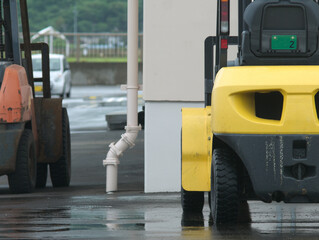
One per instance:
(225, 196)
(42, 174)
(192, 219)
(24, 178)
(192, 201)
(60, 171)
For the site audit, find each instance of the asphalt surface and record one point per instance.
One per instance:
(85, 211)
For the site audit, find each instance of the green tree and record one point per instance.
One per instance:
(92, 15)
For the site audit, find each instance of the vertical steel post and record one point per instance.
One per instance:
(51, 42)
(27, 41)
(209, 69)
(15, 32)
(77, 53)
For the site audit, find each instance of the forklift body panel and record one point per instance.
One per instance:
(196, 148)
(286, 165)
(266, 100)
(49, 125)
(15, 96)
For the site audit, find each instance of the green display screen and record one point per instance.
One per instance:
(284, 42)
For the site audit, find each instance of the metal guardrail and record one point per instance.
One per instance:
(81, 46)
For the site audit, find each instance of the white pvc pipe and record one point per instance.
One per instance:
(111, 173)
(132, 63)
(128, 138)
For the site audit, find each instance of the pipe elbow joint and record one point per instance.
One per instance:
(127, 141)
(112, 156)
(131, 134)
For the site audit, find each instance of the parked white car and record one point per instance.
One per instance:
(60, 74)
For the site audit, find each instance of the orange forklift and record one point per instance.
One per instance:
(34, 131)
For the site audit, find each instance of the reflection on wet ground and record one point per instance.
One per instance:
(143, 216)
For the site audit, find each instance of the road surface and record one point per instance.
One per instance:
(85, 211)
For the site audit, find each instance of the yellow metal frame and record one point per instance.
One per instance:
(233, 99)
(196, 148)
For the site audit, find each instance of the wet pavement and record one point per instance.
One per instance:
(85, 211)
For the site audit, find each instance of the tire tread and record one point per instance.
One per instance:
(226, 194)
(20, 180)
(60, 171)
(192, 201)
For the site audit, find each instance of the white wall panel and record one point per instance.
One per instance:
(174, 35)
(173, 75)
(162, 145)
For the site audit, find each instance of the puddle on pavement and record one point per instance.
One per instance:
(127, 226)
(146, 217)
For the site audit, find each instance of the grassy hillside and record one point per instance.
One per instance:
(91, 15)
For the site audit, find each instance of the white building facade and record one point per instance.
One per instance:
(173, 74)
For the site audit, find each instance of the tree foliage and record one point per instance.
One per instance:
(90, 15)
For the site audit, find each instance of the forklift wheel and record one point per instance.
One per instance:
(192, 201)
(60, 171)
(42, 174)
(224, 181)
(24, 178)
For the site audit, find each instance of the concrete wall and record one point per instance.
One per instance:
(100, 73)
(174, 34)
(162, 145)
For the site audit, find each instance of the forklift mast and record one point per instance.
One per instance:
(11, 48)
(221, 42)
(254, 51)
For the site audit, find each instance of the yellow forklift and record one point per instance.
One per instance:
(257, 137)
(34, 131)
